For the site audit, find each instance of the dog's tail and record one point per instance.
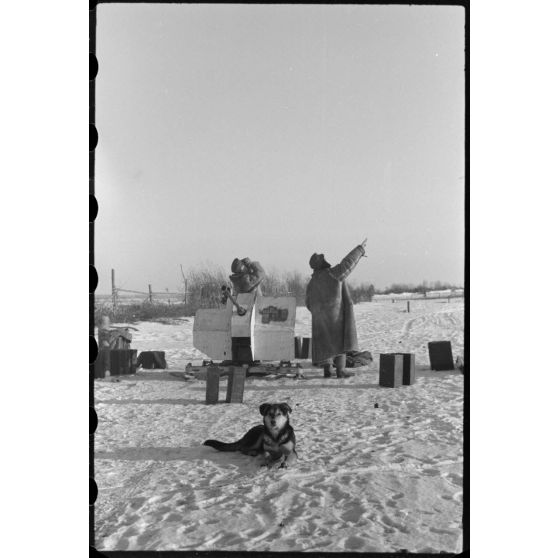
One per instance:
(251, 441)
(222, 446)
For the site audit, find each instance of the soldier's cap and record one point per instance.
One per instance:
(236, 266)
(315, 260)
(318, 261)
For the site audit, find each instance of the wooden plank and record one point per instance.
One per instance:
(212, 385)
(273, 345)
(216, 345)
(213, 319)
(235, 384)
(212, 332)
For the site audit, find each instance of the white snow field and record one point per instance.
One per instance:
(369, 478)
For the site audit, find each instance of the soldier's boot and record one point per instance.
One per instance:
(340, 362)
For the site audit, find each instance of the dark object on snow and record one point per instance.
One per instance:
(102, 363)
(302, 347)
(391, 370)
(358, 358)
(440, 355)
(241, 349)
(408, 369)
(376, 406)
(152, 359)
(123, 362)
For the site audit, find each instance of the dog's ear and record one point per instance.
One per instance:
(285, 408)
(263, 408)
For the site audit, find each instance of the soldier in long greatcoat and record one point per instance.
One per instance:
(333, 320)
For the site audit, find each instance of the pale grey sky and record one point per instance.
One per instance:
(277, 131)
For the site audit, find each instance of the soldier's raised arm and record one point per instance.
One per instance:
(343, 269)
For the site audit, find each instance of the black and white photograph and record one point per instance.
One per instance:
(281, 306)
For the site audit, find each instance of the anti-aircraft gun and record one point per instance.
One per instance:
(247, 328)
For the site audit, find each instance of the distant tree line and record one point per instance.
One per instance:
(424, 287)
(362, 293)
(293, 283)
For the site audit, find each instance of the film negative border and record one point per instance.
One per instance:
(93, 276)
(93, 281)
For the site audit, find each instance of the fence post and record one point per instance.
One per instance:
(150, 295)
(113, 290)
(408, 306)
(185, 286)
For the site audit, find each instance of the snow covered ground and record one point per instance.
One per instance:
(379, 470)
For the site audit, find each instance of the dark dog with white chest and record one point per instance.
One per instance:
(274, 439)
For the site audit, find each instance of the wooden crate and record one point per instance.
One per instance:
(440, 354)
(391, 370)
(212, 385)
(123, 362)
(150, 360)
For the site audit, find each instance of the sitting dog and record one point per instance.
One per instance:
(274, 439)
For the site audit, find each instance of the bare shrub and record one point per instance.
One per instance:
(204, 287)
(272, 284)
(362, 293)
(296, 285)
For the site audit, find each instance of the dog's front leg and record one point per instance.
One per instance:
(290, 459)
(264, 459)
(273, 460)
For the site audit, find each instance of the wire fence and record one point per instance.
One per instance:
(418, 296)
